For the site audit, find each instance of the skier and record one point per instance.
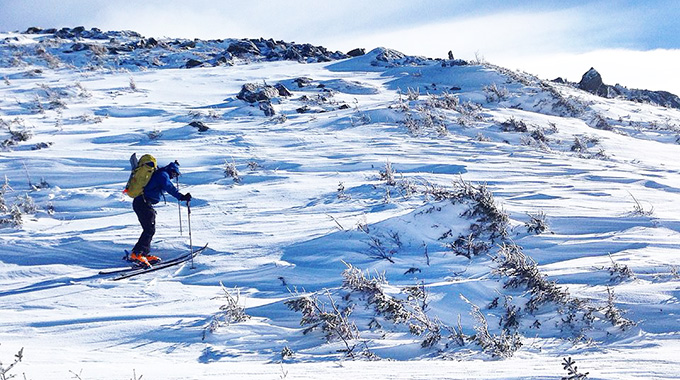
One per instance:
(159, 183)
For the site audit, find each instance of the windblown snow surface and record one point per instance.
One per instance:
(341, 248)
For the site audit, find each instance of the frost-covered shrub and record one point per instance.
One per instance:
(4, 371)
(468, 246)
(133, 85)
(155, 134)
(411, 311)
(287, 353)
(514, 125)
(503, 345)
(388, 174)
(230, 171)
(19, 136)
(602, 123)
(26, 205)
(522, 272)
(613, 314)
(490, 218)
(572, 371)
(537, 223)
(232, 311)
(14, 217)
(42, 145)
(495, 93)
(583, 143)
(538, 134)
(445, 101)
(371, 287)
(481, 138)
(639, 210)
(335, 324)
(412, 94)
(619, 272)
(423, 120)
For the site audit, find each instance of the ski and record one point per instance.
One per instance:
(134, 271)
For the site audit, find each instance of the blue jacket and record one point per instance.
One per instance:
(159, 183)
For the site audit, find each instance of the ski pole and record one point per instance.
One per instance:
(191, 244)
(179, 210)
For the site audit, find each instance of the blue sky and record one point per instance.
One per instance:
(549, 38)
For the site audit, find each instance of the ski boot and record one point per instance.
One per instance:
(144, 260)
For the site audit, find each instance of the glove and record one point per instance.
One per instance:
(185, 197)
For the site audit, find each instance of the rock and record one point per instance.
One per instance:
(188, 45)
(592, 82)
(388, 55)
(192, 63)
(79, 47)
(200, 125)
(292, 54)
(303, 81)
(266, 106)
(251, 92)
(283, 91)
(223, 60)
(33, 30)
(243, 47)
(356, 52)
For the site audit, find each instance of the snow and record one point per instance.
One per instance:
(310, 201)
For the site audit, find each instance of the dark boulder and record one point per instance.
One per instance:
(252, 93)
(78, 47)
(188, 45)
(592, 82)
(283, 91)
(303, 81)
(193, 63)
(292, 54)
(199, 125)
(243, 47)
(267, 107)
(33, 30)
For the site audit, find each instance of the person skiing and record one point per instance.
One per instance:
(159, 183)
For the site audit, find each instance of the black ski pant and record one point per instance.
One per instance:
(147, 218)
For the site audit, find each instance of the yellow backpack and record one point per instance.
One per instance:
(142, 170)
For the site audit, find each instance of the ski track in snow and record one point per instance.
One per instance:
(278, 230)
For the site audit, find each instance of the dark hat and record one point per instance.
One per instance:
(173, 167)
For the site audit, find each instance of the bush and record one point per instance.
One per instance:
(230, 312)
(573, 373)
(4, 371)
(231, 171)
(513, 125)
(537, 223)
(388, 174)
(503, 346)
(334, 324)
(495, 93)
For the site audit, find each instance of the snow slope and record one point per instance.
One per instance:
(476, 151)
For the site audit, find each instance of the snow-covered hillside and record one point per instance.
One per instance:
(381, 216)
